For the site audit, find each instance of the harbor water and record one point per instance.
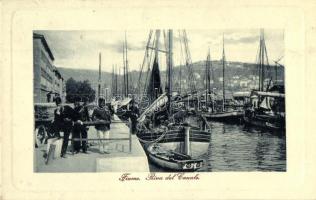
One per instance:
(239, 148)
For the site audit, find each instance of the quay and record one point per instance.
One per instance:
(122, 156)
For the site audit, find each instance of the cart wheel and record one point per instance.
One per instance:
(40, 134)
(50, 133)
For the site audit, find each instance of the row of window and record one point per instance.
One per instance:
(46, 76)
(46, 84)
(46, 61)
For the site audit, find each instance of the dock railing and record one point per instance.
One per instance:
(129, 138)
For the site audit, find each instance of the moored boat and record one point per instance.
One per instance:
(227, 116)
(268, 113)
(172, 160)
(266, 107)
(161, 125)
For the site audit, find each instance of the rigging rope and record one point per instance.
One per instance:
(189, 63)
(148, 68)
(167, 57)
(181, 59)
(154, 141)
(143, 64)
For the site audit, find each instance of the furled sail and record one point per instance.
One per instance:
(154, 89)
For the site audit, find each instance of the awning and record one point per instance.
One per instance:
(270, 94)
(241, 94)
(125, 101)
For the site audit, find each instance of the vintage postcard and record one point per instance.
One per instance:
(162, 112)
(123, 99)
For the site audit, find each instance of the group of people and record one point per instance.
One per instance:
(71, 120)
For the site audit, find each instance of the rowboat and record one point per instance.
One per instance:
(172, 160)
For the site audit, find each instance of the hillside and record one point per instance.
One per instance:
(235, 73)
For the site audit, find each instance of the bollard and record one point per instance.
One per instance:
(130, 138)
(187, 149)
(50, 154)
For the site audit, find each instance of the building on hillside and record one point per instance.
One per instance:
(47, 80)
(243, 83)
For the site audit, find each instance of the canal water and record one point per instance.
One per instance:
(238, 148)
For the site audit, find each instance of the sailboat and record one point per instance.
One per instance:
(226, 114)
(167, 142)
(267, 104)
(123, 106)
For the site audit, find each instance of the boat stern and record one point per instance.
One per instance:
(191, 165)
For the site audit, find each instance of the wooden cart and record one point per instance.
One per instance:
(43, 118)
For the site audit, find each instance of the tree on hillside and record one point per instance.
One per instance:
(81, 89)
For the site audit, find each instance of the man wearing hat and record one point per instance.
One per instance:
(134, 114)
(85, 117)
(101, 114)
(63, 116)
(80, 131)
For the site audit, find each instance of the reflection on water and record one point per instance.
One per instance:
(237, 148)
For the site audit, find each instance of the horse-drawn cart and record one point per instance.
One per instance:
(43, 118)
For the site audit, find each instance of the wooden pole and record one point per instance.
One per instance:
(157, 43)
(99, 81)
(113, 83)
(208, 77)
(223, 74)
(260, 66)
(276, 72)
(116, 76)
(120, 82)
(124, 71)
(170, 63)
(126, 67)
(206, 94)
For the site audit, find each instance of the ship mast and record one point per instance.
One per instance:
(263, 61)
(112, 82)
(223, 75)
(207, 77)
(116, 77)
(99, 81)
(156, 49)
(120, 82)
(170, 63)
(262, 71)
(124, 72)
(126, 69)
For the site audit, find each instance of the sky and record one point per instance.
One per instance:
(80, 49)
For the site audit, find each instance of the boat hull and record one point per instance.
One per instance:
(185, 164)
(232, 116)
(263, 120)
(173, 136)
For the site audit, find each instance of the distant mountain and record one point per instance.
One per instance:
(84, 74)
(237, 70)
(93, 76)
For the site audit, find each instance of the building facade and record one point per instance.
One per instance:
(47, 80)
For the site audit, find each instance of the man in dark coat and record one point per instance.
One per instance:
(77, 125)
(63, 116)
(134, 114)
(80, 115)
(48, 96)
